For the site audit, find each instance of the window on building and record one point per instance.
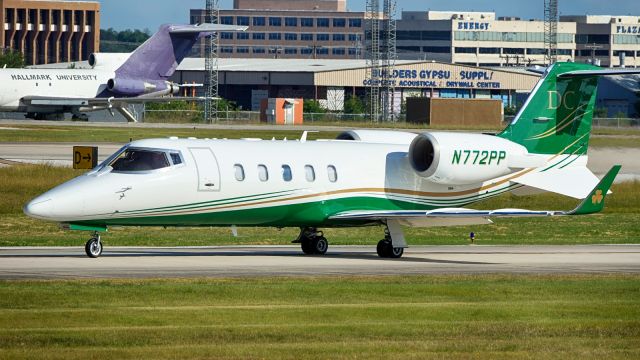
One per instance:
(291, 37)
(408, 35)
(286, 173)
(322, 37)
(306, 37)
(226, 35)
(322, 22)
(226, 49)
(513, 51)
(627, 53)
(263, 173)
(226, 20)
(435, 35)
(239, 172)
(602, 52)
(355, 23)
(306, 51)
(275, 36)
(259, 50)
(242, 20)
(536, 51)
(437, 49)
(322, 51)
(275, 21)
(338, 51)
(332, 173)
(564, 52)
(310, 173)
(258, 36)
(242, 50)
(291, 21)
(242, 36)
(489, 50)
(592, 38)
(339, 37)
(409, 48)
(355, 37)
(465, 50)
(339, 22)
(354, 51)
(306, 22)
(259, 21)
(291, 51)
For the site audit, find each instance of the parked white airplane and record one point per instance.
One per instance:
(365, 177)
(115, 81)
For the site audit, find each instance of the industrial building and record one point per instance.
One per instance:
(249, 81)
(50, 31)
(305, 29)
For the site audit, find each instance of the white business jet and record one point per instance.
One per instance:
(365, 177)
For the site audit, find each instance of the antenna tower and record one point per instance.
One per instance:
(551, 31)
(389, 60)
(211, 64)
(372, 38)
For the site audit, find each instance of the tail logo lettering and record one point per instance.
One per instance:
(566, 100)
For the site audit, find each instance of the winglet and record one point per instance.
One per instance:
(594, 203)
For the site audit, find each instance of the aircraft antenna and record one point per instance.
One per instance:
(373, 55)
(211, 64)
(551, 31)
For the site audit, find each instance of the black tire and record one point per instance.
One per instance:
(93, 248)
(307, 246)
(385, 249)
(320, 245)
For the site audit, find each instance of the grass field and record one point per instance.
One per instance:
(413, 317)
(20, 133)
(617, 225)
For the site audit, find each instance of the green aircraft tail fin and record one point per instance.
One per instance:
(594, 203)
(557, 116)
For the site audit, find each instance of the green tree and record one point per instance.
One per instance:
(313, 107)
(353, 105)
(122, 41)
(12, 59)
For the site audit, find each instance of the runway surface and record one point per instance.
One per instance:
(239, 261)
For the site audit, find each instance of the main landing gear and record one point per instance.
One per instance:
(312, 241)
(93, 247)
(392, 246)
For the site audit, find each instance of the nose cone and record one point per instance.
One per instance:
(39, 208)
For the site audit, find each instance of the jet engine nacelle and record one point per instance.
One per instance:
(136, 87)
(462, 159)
(110, 61)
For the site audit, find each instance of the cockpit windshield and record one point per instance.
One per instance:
(140, 160)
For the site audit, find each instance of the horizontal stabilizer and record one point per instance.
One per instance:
(575, 182)
(607, 72)
(204, 28)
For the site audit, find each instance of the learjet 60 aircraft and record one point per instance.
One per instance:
(114, 82)
(365, 177)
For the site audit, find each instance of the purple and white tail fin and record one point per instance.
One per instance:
(154, 62)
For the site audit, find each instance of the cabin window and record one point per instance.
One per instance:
(310, 173)
(286, 173)
(239, 171)
(333, 173)
(175, 157)
(263, 173)
(140, 160)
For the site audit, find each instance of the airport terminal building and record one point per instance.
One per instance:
(248, 81)
(50, 31)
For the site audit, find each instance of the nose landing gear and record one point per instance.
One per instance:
(93, 247)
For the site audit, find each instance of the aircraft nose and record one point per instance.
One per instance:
(39, 208)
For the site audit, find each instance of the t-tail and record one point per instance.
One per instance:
(557, 116)
(148, 69)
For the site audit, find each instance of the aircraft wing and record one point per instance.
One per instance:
(593, 203)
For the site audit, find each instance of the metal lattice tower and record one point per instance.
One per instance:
(211, 64)
(551, 31)
(372, 38)
(389, 57)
